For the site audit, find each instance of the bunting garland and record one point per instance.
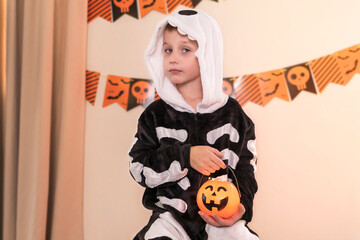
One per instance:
(99, 8)
(259, 88)
(92, 81)
(147, 6)
(112, 10)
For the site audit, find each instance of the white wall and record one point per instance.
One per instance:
(309, 186)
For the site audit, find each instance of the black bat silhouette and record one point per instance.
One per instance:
(149, 5)
(273, 92)
(116, 97)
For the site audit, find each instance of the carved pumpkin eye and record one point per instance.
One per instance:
(209, 187)
(218, 197)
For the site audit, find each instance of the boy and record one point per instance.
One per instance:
(193, 130)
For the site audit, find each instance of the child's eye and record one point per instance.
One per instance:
(186, 50)
(168, 50)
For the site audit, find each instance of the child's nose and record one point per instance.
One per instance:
(173, 58)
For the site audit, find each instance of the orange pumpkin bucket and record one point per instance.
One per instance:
(218, 197)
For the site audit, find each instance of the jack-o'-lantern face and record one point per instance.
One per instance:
(123, 5)
(218, 197)
(298, 76)
(141, 90)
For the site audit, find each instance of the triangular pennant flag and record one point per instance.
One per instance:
(325, 71)
(92, 82)
(273, 84)
(141, 93)
(299, 78)
(228, 86)
(101, 8)
(156, 97)
(117, 91)
(148, 5)
(247, 89)
(121, 7)
(172, 4)
(349, 63)
(195, 2)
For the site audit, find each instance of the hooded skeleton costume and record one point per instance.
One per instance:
(159, 156)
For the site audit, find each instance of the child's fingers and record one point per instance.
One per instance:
(218, 161)
(216, 152)
(212, 166)
(205, 172)
(208, 219)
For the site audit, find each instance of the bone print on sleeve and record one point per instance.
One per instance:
(153, 164)
(245, 168)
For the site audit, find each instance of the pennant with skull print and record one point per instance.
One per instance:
(273, 84)
(141, 93)
(117, 91)
(121, 7)
(148, 5)
(299, 78)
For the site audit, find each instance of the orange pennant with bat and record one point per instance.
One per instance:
(117, 91)
(92, 81)
(148, 5)
(172, 4)
(349, 63)
(247, 89)
(273, 84)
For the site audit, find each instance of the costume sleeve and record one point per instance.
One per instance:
(245, 170)
(153, 164)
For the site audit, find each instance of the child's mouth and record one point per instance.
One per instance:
(174, 70)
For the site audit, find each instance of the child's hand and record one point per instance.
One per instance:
(217, 221)
(205, 159)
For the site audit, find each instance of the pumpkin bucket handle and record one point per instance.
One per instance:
(232, 171)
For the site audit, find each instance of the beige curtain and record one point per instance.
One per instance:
(43, 115)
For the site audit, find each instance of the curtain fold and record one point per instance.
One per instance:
(43, 120)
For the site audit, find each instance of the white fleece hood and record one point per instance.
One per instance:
(198, 26)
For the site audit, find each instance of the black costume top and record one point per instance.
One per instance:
(161, 151)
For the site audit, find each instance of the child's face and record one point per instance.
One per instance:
(179, 61)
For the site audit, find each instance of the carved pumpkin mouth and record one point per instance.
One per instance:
(212, 204)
